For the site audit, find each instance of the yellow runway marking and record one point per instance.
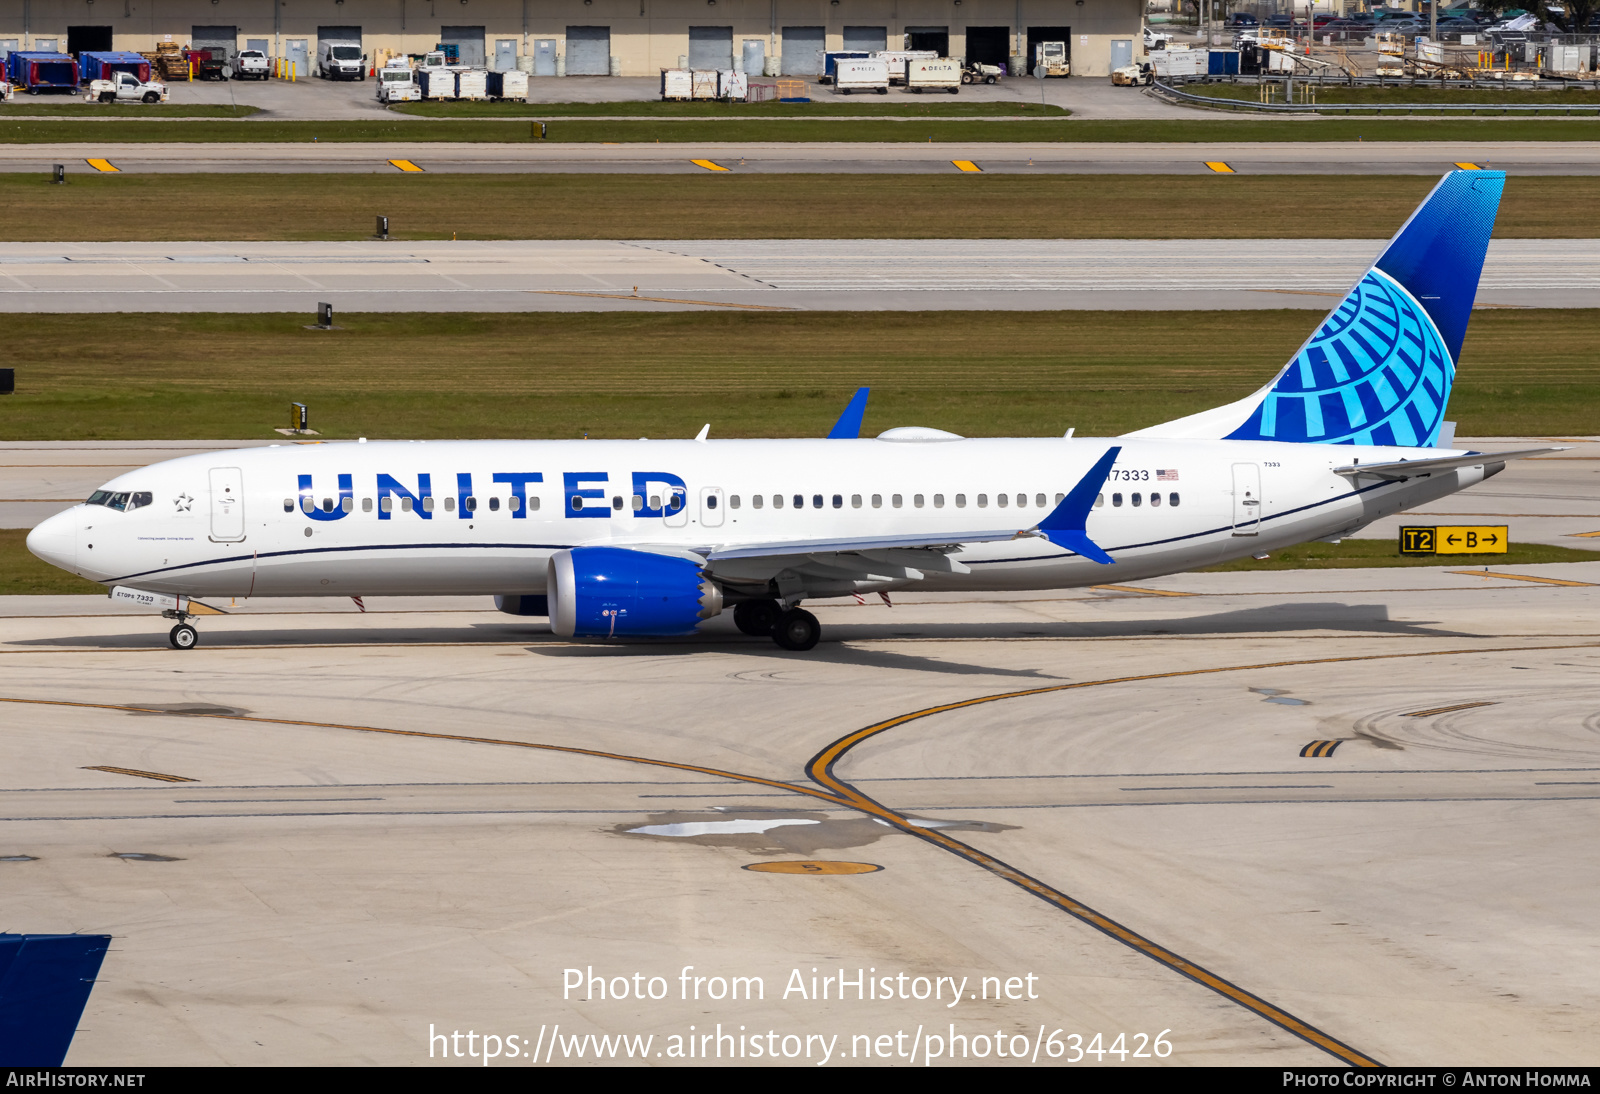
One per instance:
(1522, 577)
(967, 165)
(405, 165)
(143, 774)
(1446, 710)
(1219, 167)
(814, 867)
(105, 166)
(1320, 750)
(664, 300)
(1137, 589)
(708, 165)
(1469, 166)
(1583, 535)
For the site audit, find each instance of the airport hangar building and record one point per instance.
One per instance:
(596, 37)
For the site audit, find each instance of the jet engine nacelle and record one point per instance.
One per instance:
(617, 591)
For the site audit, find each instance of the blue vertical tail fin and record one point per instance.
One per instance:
(1379, 369)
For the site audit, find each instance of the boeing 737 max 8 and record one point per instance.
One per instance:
(637, 538)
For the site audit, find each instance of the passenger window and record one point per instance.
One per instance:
(855, 501)
(1155, 499)
(349, 504)
(896, 501)
(533, 503)
(1022, 501)
(799, 501)
(675, 502)
(877, 501)
(756, 500)
(327, 505)
(655, 501)
(1172, 499)
(449, 505)
(1138, 499)
(1002, 500)
(816, 501)
(838, 501)
(733, 501)
(494, 505)
(470, 504)
(1039, 500)
(1099, 501)
(366, 505)
(514, 504)
(983, 501)
(577, 503)
(387, 505)
(711, 501)
(961, 501)
(938, 501)
(1060, 498)
(307, 505)
(427, 504)
(777, 501)
(616, 503)
(288, 505)
(1116, 500)
(916, 499)
(405, 505)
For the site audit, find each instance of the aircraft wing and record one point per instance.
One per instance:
(866, 543)
(1407, 469)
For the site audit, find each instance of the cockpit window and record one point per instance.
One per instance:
(121, 501)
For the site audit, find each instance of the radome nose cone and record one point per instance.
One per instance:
(56, 542)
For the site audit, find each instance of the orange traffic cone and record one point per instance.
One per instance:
(373, 71)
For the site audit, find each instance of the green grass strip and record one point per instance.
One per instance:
(1359, 554)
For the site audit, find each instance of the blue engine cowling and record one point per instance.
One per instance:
(616, 591)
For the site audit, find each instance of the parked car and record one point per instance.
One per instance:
(1242, 19)
(251, 64)
(1346, 28)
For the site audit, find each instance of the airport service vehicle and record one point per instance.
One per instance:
(341, 60)
(1133, 75)
(982, 74)
(630, 539)
(125, 87)
(251, 64)
(863, 74)
(1053, 56)
(934, 74)
(397, 84)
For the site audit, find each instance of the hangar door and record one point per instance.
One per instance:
(711, 47)
(588, 51)
(90, 39)
(802, 49)
(468, 42)
(221, 41)
(865, 39)
(934, 38)
(989, 45)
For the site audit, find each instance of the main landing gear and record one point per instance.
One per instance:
(793, 629)
(183, 636)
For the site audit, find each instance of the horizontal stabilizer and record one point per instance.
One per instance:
(45, 980)
(1408, 469)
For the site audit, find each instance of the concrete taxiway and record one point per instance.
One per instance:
(1048, 155)
(661, 275)
(323, 835)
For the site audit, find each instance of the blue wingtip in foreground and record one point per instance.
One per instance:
(1379, 369)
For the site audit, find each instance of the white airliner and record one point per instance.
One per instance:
(650, 538)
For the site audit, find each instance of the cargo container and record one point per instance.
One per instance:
(863, 75)
(100, 65)
(677, 83)
(936, 74)
(896, 60)
(705, 83)
(438, 83)
(831, 60)
(1223, 62)
(733, 85)
(511, 86)
(473, 83)
(35, 72)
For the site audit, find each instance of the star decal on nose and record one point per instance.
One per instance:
(182, 502)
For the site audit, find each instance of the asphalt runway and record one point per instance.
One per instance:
(384, 829)
(1421, 157)
(670, 275)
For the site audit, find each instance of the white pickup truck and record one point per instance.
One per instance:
(125, 87)
(251, 64)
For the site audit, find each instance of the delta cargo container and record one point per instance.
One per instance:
(101, 65)
(36, 72)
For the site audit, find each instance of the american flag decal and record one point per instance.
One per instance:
(1166, 476)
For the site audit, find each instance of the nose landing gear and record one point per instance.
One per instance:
(183, 636)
